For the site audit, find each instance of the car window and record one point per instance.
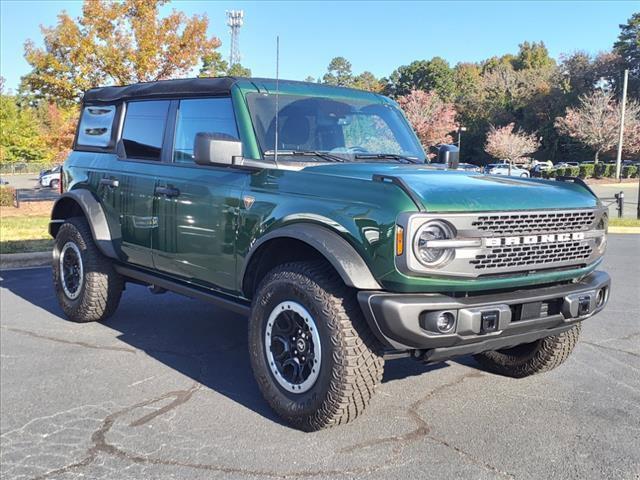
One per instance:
(143, 130)
(96, 125)
(207, 115)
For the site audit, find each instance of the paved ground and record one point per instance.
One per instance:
(630, 191)
(164, 390)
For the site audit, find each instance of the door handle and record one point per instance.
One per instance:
(167, 191)
(109, 182)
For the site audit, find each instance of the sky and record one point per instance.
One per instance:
(376, 36)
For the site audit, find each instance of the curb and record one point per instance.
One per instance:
(22, 260)
(624, 229)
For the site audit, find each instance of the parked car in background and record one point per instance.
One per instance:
(566, 164)
(3, 181)
(50, 178)
(503, 169)
(537, 169)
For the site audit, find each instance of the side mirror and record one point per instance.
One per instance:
(449, 155)
(216, 148)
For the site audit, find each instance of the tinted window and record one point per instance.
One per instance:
(144, 129)
(95, 126)
(210, 115)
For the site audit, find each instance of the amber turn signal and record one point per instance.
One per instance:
(399, 240)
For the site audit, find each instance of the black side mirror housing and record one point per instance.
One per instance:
(211, 148)
(449, 155)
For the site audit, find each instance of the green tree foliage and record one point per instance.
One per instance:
(533, 56)
(20, 138)
(213, 65)
(339, 73)
(114, 43)
(433, 75)
(367, 81)
(628, 47)
(237, 70)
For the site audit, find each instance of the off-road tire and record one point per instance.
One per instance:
(531, 358)
(54, 184)
(101, 286)
(352, 364)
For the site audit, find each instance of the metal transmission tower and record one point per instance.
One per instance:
(235, 19)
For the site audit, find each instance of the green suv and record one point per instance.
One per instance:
(313, 210)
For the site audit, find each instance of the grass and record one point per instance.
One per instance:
(624, 222)
(24, 234)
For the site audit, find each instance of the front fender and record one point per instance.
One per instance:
(343, 257)
(70, 204)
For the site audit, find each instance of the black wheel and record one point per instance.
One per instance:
(314, 358)
(531, 358)
(87, 286)
(54, 184)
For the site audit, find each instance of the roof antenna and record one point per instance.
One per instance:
(275, 155)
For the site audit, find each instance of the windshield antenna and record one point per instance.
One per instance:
(275, 156)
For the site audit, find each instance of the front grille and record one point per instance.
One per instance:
(517, 223)
(528, 255)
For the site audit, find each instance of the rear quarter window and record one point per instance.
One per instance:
(96, 124)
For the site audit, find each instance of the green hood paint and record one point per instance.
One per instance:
(453, 191)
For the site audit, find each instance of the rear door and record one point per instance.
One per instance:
(197, 206)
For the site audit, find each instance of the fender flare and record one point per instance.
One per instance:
(336, 250)
(94, 214)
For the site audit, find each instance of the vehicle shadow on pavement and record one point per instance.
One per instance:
(196, 339)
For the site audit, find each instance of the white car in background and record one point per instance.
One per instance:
(503, 169)
(50, 178)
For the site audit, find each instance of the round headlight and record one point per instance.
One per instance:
(433, 257)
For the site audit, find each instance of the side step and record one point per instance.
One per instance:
(192, 291)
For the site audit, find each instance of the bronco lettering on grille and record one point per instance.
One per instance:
(534, 239)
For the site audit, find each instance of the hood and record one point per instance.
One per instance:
(457, 191)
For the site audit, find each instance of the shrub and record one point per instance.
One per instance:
(586, 171)
(7, 195)
(551, 173)
(629, 171)
(573, 171)
(610, 171)
(599, 170)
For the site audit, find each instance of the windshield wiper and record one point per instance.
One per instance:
(393, 156)
(308, 153)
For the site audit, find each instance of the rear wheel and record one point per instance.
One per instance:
(87, 286)
(54, 184)
(313, 355)
(531, 358)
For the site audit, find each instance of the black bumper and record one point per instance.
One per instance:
(485, 322)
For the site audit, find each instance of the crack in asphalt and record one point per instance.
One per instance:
(76, 343)
(605, 347)
(423, 430)
(180, 397)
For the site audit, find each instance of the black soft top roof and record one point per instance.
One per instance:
(162, 88)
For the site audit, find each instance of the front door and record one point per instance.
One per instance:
(197, 206)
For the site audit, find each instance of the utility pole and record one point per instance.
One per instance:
(622, 112)
(235, 19)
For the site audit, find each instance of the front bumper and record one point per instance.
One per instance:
(482, 322)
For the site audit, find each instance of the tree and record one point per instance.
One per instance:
(114, 43)
(505, 144)
(431, 117)
(367, 81)
(595, 122)
(628, 47)
(428, 75)
(213, 65)
(20, 138)
(533, 56)
(339, 73)
(237, 70)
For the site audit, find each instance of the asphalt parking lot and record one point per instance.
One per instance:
(164, 390)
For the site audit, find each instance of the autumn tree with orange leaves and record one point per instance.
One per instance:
(114, 43)
(432, 119)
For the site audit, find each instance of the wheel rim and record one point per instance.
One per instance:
(293, 347)
(71, 270)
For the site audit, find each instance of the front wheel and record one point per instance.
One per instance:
(531, 358)
(86, 284)
(315, 360)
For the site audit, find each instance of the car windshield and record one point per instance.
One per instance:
(349, 129)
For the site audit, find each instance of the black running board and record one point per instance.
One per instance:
(181, 288)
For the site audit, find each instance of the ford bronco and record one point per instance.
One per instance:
(312, 209)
